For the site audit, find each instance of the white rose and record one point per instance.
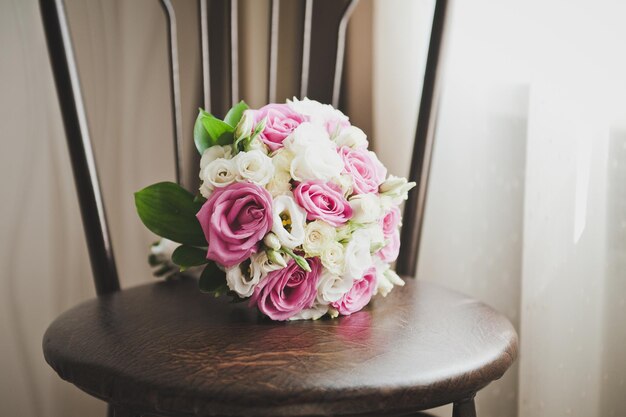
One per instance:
(333, 258)
(386, 278)
(261, 265)
(206, 190)
(279, 184)
(366, 208)
(396, 188)
(218, 173)
(376, 235)
(241, 280)
(282, 160)
(332, 287)
(306, 135)
(315, 155)
(316, 162)
(257, 144)
(271, 241)
(321, 114)
(254, 166)
(351, 136)
(344, 233)
(289, 221)
(394, 278)
(317, 236)
(313, 313)
(358, 258)
(215, 152)
(345, 182)
(245, 125)
(386, 202)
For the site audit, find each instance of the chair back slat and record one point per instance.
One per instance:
(273, 52)
(204, 45)
(174, 72)
(325, 25)
(323, 47)
(222, 50)
(423, 145)
(341, 47)
(234, 51)
(79, 143)
(306, 48)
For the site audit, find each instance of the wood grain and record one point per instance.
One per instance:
(167, 348)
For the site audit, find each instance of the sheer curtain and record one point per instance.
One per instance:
(527, 203)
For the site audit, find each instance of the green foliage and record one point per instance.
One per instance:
(169, 211)
(235, 114)
(187, 256)
(213, 280)
(301, 261)
(209, 131)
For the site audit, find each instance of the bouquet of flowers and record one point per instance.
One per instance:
(294, 213)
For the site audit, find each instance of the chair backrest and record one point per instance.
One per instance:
(219, 45)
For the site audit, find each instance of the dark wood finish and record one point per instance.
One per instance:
(177, 118)
(273, 51)
(122, 412)
(167, 348)
(422, 148)
(79, 143)
(324, 38)
(220, 55)
(464, 408)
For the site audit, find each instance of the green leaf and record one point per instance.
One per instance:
(200, 135)
(188, 256)
(209, 131)
(199, 198)
(235, 113)
(168, 210)
(212, 279)
(221, 133)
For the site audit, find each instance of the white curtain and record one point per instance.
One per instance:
(527, 204)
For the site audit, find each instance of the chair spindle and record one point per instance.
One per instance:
(172, 39)
(423, 145)
(79, 143)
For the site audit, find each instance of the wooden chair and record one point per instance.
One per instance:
(167, 349)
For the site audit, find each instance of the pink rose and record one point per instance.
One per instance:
(281, 121)
(359, 295)
(234, 220)
(390, 221)
(324, 201)
(286, 292)
(390, 251)
(364, 167)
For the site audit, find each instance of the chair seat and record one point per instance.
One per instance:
(167, 348)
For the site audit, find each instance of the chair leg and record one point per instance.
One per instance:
(464, 408)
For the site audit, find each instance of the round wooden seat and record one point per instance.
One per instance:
(167, 348)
